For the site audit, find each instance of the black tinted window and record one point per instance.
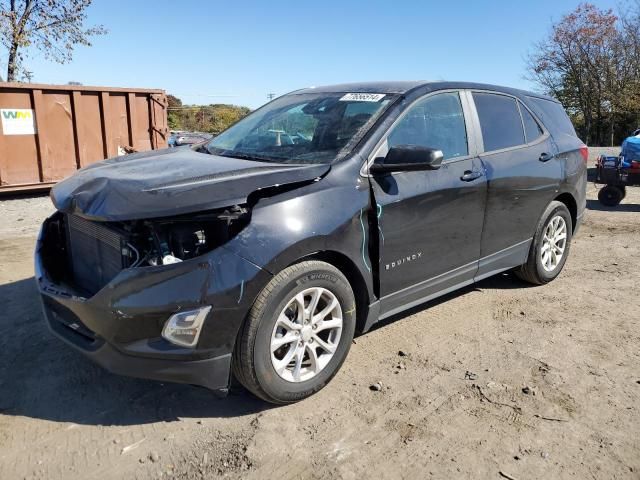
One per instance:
(435, 122)
(499, 121)
(553, 116)
(532, 130)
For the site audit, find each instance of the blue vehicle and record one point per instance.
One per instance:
(617, 173)
(631, 147)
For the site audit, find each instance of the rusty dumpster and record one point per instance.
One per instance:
(49, 131)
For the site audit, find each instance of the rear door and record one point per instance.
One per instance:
(430, 222)
(523, 176)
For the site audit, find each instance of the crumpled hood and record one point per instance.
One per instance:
(170, 182)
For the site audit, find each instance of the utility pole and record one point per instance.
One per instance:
(271, 96)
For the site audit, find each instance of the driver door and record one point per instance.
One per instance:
(430, 222)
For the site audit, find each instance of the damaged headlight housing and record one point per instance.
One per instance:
(183, 328)
(172, 240)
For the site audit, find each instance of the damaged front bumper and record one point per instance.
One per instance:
(120, 326)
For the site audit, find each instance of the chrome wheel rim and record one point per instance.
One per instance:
(306, 334)
(554, 243)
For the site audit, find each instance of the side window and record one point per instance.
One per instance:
(532, 130)
(435, 122)
(499, 121)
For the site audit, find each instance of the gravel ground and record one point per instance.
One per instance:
(500, 378)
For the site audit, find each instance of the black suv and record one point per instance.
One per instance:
(264, 250)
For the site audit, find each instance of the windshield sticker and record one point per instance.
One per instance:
(362, 97)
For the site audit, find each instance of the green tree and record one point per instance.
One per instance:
(203, 118)
(173, 119)
(54, 27)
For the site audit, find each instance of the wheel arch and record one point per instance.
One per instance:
(570, 202)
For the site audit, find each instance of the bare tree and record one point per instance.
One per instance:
(53, 27)
(590, 63)
(629, 52)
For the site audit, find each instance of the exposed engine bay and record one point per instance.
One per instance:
(87, 254)
(165, 241)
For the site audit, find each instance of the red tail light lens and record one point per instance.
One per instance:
(584, 151)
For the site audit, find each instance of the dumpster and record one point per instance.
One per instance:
(49, 131)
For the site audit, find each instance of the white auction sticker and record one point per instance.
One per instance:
(362, 97)
(17, 121)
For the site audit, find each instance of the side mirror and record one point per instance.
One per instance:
(408, 158)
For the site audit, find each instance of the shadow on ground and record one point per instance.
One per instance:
(41, 377)
(623, 207)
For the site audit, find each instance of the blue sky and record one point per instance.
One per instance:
(238, 52)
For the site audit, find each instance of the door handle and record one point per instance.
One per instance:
(471, 175)
(545, 157)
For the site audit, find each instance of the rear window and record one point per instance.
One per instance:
(532, 130)
(499, 121)
(552, 115)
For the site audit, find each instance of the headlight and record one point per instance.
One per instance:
(183, 328)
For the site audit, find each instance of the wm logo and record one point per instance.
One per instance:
(16, 115)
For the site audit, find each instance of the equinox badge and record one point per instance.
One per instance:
(403, 260)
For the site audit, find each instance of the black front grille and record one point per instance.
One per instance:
(96, 253)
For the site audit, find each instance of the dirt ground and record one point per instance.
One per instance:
(500, 380)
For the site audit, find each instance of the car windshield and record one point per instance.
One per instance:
(302, 128)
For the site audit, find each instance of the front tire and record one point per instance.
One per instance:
(297, 334)
(550, 247)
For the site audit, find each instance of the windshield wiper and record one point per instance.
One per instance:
(247, 156)
(241, 155)
(202, 148)
(244, 156)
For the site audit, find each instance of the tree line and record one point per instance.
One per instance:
(590, 62)
(212, 118)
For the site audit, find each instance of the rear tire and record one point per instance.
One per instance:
(610, 195)
(284, 352)
(550, 247)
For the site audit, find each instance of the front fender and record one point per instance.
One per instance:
(320, 217)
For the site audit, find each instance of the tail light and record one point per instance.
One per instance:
(584, 151)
